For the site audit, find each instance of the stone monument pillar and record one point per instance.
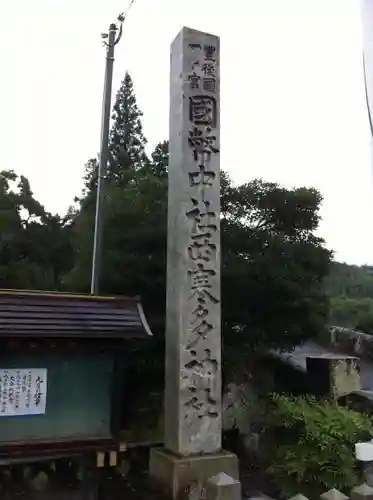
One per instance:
(193, 411)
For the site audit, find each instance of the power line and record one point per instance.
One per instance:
(122, 17)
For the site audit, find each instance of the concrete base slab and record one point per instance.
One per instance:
(175, 474)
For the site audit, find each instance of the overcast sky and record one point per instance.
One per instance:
(292, 103)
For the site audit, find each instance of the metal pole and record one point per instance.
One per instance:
(104, 150)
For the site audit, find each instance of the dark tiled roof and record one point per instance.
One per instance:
(62, 315)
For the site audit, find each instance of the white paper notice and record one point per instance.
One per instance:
(23, 391)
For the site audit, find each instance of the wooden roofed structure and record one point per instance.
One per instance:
(38, 314)
(77, 342)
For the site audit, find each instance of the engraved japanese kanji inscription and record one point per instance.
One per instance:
(193, 336)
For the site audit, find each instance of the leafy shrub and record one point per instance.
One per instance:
(314, 445)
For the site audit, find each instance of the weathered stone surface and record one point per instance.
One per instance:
(235, 411)
(334, 375)
(298, 497)
(362, 492)
(193, 336)
(181, 477)
(333, 494)
(367, 471)
(222, 487)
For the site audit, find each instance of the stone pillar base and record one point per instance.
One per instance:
(175, 474)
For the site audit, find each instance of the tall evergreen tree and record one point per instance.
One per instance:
(126, 146)
(127, 167)
(127, 142)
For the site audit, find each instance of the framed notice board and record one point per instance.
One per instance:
(61, 371)
(54, 397)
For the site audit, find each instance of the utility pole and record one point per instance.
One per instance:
(112, 40)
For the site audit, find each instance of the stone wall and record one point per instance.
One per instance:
(351, 342)
(334, 375)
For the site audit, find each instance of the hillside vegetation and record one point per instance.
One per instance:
(350, 289)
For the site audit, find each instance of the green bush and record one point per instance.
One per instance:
(314, 445)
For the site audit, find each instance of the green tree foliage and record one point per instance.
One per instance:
(314, 449)
(134, 242)
(126, 147)
(273, 265)
(34, 246)
(127, 142)
(125, 185)
(134, 212)
(51, 247)
(88, 198)
(159, 161)
(350, 281)
(364, 321)
(352, 313)
(351, 291)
